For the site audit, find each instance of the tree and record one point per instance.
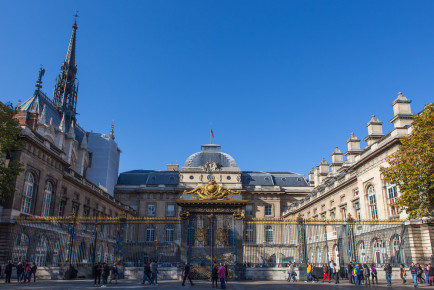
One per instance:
(412, 167)
(10, 142)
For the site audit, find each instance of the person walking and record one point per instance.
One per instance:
(291, 272)
(222, 274)
(325, 269)
(425, 270)
(154, 272)
(374, 273)
(226, 273)
(419, 274)
(402, 273)
(337, 269)
(366, 275)
(98, 272)
(33, 273)
(215, 275)
(431, 275)
(20, 271)
(413, 270)
(309, 273)
(105, 274)
(350, 272)
(115, 273)
(146, 274)
(186, 275)
(357, 275)
(331, 267)
(8, 272)
(388, 270)
(26, 272)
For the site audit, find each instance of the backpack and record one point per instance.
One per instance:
(355, 272)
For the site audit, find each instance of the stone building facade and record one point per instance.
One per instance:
(355, 187)
(57, 157)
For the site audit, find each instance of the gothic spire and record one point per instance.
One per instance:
(112, 131)
(66, 89)
(39, 81)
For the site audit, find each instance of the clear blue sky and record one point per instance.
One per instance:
(282, 82)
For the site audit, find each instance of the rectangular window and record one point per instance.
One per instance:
(373, 206)
(170, 234)
(344, 212)
(268, 210)
(170, 210)
(250, 233)
(268, 234)
(392, 195)
(62, 206)
(249, 210)
(356, 192)
(358, 212)
(151, 209)
(150, 234)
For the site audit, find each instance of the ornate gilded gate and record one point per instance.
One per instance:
(212, 229)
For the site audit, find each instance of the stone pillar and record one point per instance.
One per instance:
(240, 271)
(302, 247)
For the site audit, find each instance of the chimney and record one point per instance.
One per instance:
(172, 167)
(322, 172)
(312, 177)
(337, 160)
(402, 115)
(375, 131)
(353, 148)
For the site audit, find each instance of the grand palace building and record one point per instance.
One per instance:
(71, 205)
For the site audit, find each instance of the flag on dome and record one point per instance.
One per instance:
(212, 133)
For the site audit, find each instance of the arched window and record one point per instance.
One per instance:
(170, 234)
(398, 250)
(318, 255)
(29, 185)
(312, 255)
(362, 252)
(372, 202)
(379, 250)
(57, 253)
(269, 234)
(21, 247)
(150, 234)
(336, 252)
(41, 251)
(46, 205)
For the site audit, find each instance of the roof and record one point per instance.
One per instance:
(210, 152)
(171, 178)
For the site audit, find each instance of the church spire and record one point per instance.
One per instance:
(66, 89)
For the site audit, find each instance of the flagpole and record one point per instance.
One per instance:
(210, 136)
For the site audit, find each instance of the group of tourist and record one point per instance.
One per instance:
(150, 273)
(418, 274)
(25, 271)
(103, 270)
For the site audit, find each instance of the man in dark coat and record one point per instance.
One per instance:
(98, 271)
(187, 274)
(8, 272)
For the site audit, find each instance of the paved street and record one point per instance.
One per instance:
(251, 285)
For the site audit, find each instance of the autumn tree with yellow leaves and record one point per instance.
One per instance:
(412, 167)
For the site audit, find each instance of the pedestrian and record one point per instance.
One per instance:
(358, 274)
(350, 272)
(388, 270)
(309, 273)
(420, 278)
(146, 274)
(425, 270)
(8, 272)
(215, 275)
(20, 271)
(291, 272)
(33, 272)
(222, 274)
(366, 275)
(431, 275)
(115, 273)
(337, 269)
(186, 275)
(105, 274)
(325, 269)
(374, 273)
(26, 272)
(98, 271)
(332, 272)
(154, 272)
(226, 273)
(402, 273)
(413, 270)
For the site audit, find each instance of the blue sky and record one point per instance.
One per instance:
(281, 82)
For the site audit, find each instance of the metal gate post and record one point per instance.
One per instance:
(351, 238)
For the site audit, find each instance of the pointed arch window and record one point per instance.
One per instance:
(372, 202)
(48, 194)
(29, 187)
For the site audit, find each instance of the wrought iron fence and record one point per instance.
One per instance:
(56, 241)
